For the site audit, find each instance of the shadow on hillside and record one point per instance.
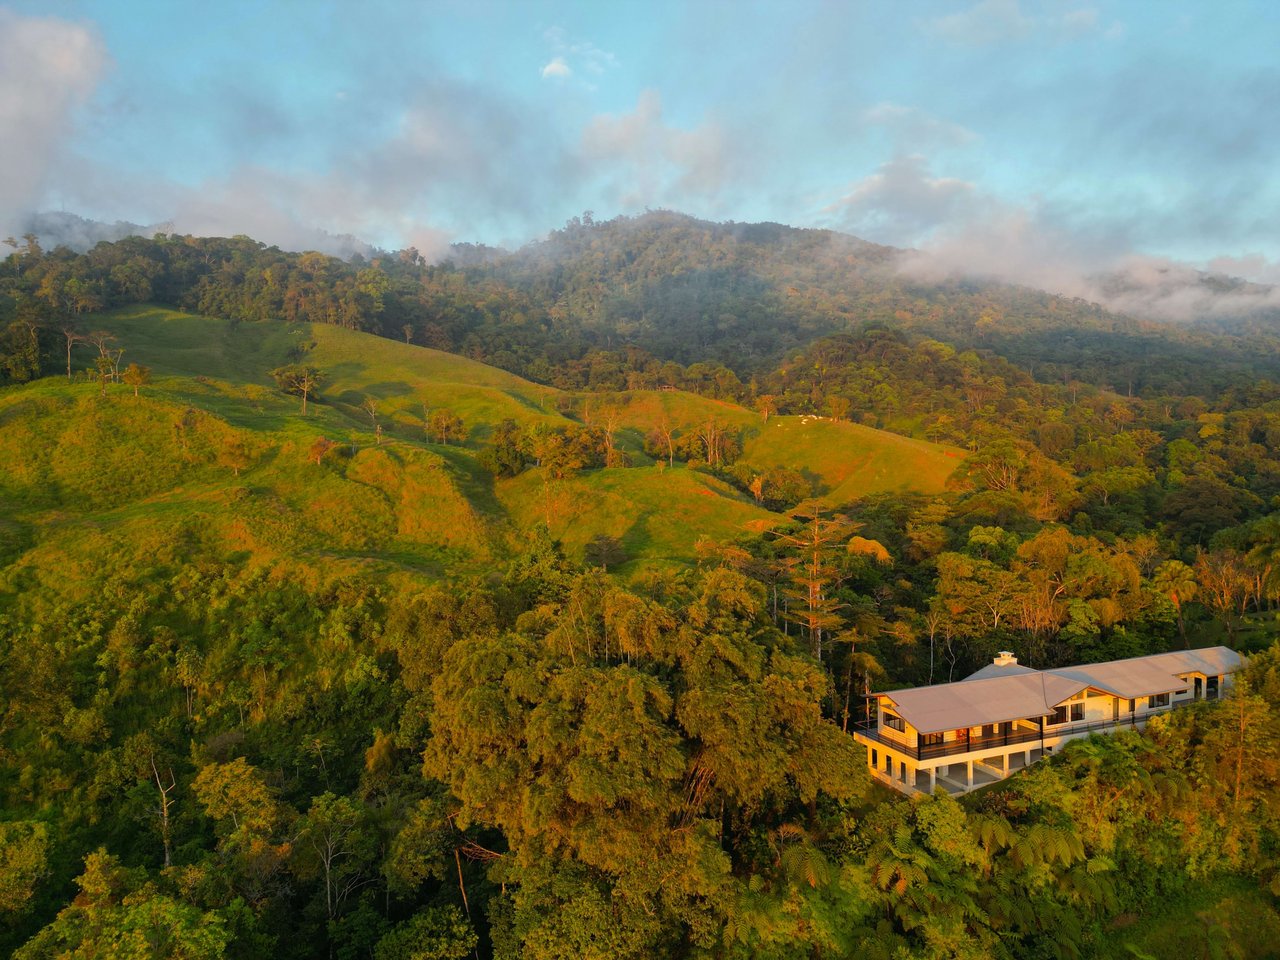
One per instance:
(379, 391)
(475, 483)
(526, 402)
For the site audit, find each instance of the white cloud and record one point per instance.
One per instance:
(902, 203)
(1027, 245)
(990, 22)
(459, 157)
(48, 67)
(917, 129)
(987, 22)
(570, 50)
(1079, 20)
(1251, 266)
(646, 162)
(556, 69)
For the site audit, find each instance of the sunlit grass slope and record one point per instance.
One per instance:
(844, 460)
(212, 459)
(404, 381)
(851, 460)
(656, 513)
(89, 484)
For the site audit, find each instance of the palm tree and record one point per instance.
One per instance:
(1177, 581)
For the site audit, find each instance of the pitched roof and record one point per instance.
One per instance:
(953, 706)
(999, 670)
(1157, 673)
(996, 694)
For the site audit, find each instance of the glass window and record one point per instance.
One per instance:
(1077, 711)
(1159, 700)
(1059, 715)
(930, 739)
(893, 722)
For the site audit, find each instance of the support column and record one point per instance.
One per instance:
(1026, 758)
(1004, 764)
(933, 780)
(968, 774)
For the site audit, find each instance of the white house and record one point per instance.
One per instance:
(1006, 716)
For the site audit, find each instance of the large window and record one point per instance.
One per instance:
(893, 722)
(930, 739)
(1077, 711)
(1159, 700)
(1059, 715)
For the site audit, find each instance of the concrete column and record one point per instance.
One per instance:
(933, 779)
(968, 775)
(1004, 764)
(1026, 758)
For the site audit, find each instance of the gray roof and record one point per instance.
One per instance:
(953, 706)
(999, 670)
(1013, 692)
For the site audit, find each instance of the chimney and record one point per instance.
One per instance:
(1005, 658)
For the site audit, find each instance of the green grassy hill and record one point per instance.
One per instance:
(657, 513)
(844, 460)
(851, 460)
(212, 453)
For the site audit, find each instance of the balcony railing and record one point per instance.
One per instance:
(930, 751)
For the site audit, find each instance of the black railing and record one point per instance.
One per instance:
(930, 751)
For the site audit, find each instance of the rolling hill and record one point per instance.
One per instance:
(213, 453)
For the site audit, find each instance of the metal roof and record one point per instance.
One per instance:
(999, 670)
(971, 703)
(1014, 692)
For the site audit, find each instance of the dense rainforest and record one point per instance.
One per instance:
(519, 605)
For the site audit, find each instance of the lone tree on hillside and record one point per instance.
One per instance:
(234, 454)
(370, 406)
(445, 426)
(604, 551)
(814, 576)
(299, 380)
(136, 376)
(320, 449)
(72, 336)
(102, 372)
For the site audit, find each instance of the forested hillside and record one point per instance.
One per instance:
(604, 304)
(520, 605)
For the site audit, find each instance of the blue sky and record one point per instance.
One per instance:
(1038, 138)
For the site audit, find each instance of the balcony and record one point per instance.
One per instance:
(948, 748)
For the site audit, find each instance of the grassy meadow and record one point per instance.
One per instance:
(212, 451)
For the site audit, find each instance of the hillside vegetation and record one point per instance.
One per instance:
(213, 447)
(324, 632)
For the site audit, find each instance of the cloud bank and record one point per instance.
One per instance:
(976, 180)
(48, 68)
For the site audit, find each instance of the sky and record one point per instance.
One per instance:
(1036, 140)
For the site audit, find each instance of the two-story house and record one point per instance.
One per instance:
(1007, 716)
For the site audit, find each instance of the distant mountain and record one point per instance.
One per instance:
(748, 294)
(674, 288)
